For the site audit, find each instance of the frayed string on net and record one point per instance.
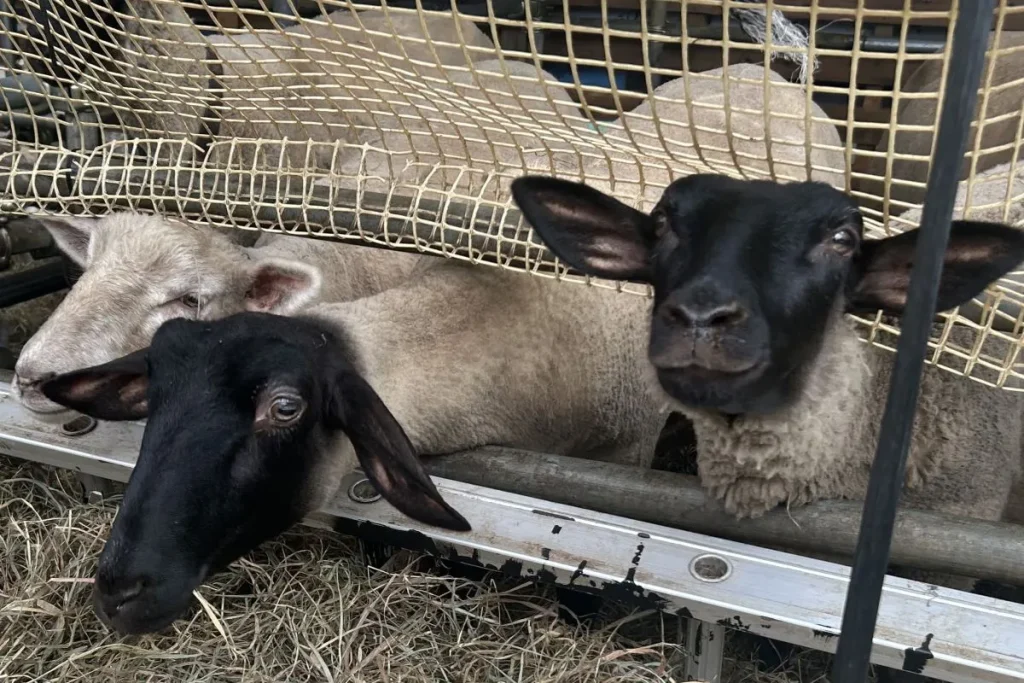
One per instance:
(785, 33)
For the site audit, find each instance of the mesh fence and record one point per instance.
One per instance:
(402, 124)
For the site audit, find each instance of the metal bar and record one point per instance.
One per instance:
(886, 481)
(705, 648)
(922, 540)
(770, 593)
(25, 235)
(26, 285)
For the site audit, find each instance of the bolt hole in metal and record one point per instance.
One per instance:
(710, 568)
(78, 426)
(363, 492)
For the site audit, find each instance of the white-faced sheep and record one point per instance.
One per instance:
(748, 339)
(459, 356)
(141, 270)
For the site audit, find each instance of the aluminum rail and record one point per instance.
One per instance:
(798, 600)
(922, 540)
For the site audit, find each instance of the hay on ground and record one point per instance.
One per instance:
(302, 608)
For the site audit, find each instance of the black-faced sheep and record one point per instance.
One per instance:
(459, 355)
(748, 339)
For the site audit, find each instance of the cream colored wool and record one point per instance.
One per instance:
(1005, 99)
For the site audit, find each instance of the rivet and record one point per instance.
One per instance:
(710, 568)
(78, 426)
(363, 492)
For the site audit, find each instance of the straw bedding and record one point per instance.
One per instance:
(306, 607)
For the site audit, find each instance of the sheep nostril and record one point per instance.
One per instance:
(707, 317)
(726, 317)
(27, 382)
(116, 600)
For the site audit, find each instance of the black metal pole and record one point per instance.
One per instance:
(30, 284)
(973, 23)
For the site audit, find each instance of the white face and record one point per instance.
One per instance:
(139, 272)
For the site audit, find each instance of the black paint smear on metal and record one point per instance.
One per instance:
(556, 529)
(915, 658)
(734, 622)
(512, 569)
(544, 513)
(973, 22)
(826, 635)
(625, 591)
(639, 552)
(644, 534)
(545, 553)
(409, 539)
(578, 573)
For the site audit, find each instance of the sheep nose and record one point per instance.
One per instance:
(111, 599)
(708, 316)
(27, 377)
(704, 305)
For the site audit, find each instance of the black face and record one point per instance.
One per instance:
(748, 274)
(241, 416)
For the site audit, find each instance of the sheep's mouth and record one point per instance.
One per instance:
(701, 387)
(695, 373)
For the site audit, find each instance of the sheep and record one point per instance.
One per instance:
(469, 121)
(751, 280)
(1002, 119)
(459, 355)
(319, 80)
(767, 138)
(140, 270)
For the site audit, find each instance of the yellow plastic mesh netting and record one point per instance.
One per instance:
(403, 124)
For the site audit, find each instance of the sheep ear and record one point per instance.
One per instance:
(977, 255)
(281, 287)
(72, 235)
(592, 232)
(386, 454)
(112, 391)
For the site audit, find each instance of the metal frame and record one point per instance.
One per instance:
(716, 582)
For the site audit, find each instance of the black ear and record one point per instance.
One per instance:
(977, 255)
(386, 455)
(595, 234)
(112, 391)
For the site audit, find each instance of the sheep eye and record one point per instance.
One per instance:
(190, 300)
(285, 409)
(843, 241)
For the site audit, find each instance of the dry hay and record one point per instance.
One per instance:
(306, 608)
(302, 608)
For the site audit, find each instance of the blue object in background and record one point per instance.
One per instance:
(589, 75)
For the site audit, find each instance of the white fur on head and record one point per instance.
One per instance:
(281, 286)
(72, 235)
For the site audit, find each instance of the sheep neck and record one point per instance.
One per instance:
(803, 451)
